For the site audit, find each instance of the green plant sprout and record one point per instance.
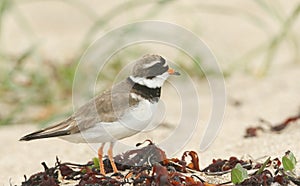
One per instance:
(238, 174)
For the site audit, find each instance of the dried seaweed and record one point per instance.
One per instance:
(253, 131)
(145, 166)
(150, 166)
(222, 165)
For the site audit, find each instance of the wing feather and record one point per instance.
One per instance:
(106, 107)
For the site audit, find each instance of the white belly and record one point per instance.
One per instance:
(129, 124)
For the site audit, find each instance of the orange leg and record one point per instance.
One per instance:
(111, 158)
(100, 156)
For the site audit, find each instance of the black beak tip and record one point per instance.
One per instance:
(176, 73)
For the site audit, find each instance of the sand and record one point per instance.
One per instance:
(273, 97)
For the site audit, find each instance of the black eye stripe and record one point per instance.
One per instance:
(158, 67)
(161, 62)
(150, 67)
(154, 63)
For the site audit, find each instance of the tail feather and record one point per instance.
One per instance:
(40, 135)
(64, 128)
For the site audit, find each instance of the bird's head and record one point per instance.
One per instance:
(151, 71)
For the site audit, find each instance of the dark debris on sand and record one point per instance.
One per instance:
(149, 165)
(276, 128)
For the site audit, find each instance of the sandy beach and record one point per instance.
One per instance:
(273, 97)
(263, 98)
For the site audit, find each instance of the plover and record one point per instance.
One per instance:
(120, 112)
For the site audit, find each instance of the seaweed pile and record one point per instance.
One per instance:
(149, 165)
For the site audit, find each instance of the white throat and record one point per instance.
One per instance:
(155, 82)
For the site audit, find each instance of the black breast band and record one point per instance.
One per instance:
(151, 94)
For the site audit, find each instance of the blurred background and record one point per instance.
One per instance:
(256, 43)
(41, 43)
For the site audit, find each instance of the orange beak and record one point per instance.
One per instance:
(173, 72)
